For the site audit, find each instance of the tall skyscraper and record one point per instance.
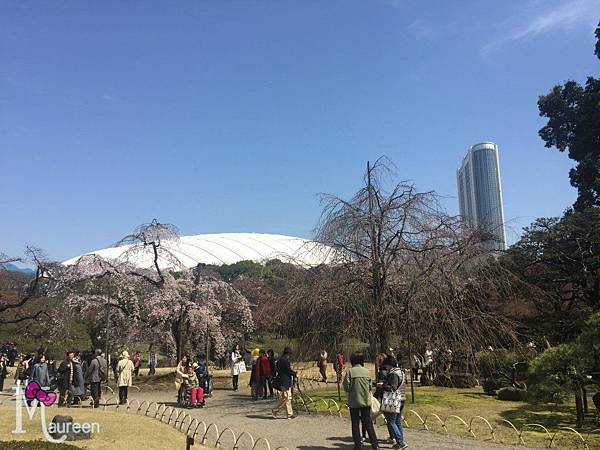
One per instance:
(480, 192)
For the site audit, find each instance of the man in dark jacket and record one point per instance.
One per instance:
(66, 380)
(95, 374)
(3, 371)
(202, 374)
(283, 382)
(272, 370)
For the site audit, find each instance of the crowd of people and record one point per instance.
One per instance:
(77, 378)
(268, 372)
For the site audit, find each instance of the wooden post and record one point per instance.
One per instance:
(189, 442)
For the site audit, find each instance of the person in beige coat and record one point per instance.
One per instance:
(181, 376)
(125, 371)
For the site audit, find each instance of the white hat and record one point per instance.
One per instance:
(125, 354)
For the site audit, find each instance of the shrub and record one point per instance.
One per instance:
(498, 368)
(551, 374)
(512, 394)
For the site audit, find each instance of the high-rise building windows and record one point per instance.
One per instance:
(480, 192)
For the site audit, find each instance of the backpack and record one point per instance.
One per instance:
(29, 369)
(102, 370)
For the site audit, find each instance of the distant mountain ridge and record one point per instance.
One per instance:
(12, 268)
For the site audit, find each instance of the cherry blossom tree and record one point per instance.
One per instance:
(178, 306)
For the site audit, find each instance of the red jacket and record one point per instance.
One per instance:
(265, 366)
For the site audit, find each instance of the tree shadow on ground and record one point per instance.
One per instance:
(338, 442)
(551, 415)
(174, 404)
(264, 417)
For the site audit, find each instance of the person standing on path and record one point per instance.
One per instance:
(357, 383)
(79, 392)
(152, 360)
(114, 361)
(237, 366)
(96, 372)
(3, 371)
(322, 363)
(125, 371)
(283, 382)
(272, 370)
(395, 384)
(66, 380)
(429, 372)
(40, 373)
(137, 363)
(265, 372)
(181, 375)
(201, 369)
(255, 386)
(339, 365)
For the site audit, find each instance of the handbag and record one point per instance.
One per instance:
(392, 401)
(242, 367)
(277, 383)
(375, 407)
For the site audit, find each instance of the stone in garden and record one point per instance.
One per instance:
(64, 425)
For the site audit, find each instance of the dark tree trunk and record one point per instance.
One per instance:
(579, 407)
(177, 333)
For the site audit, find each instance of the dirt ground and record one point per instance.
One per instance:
(238, 411)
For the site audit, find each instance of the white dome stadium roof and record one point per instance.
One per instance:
(224, 248)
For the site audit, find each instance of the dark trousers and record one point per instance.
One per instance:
(269, 385)
(257, 389)
(96, 393)
(152, 369)
(65, 396)
(234, 379)
(1, 383)
(122, 395)
(358, 415)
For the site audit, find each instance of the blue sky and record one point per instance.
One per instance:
(232, 115)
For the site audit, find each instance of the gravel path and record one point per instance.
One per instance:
(237, 410)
